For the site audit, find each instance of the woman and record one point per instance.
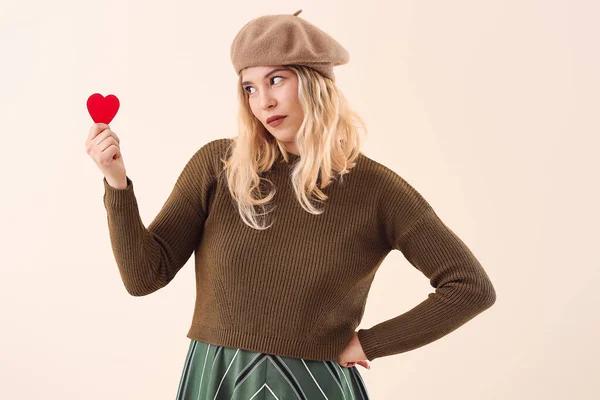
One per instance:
(279, 298)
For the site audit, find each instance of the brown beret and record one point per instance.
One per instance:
(286, 39)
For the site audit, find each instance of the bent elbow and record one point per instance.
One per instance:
(143, 290)
(487, 295)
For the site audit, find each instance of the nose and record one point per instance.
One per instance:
(266, 100)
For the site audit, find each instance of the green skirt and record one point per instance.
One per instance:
(217, 372)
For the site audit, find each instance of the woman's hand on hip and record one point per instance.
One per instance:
(353, 354)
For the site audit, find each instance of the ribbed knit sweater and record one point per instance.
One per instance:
(298, 288)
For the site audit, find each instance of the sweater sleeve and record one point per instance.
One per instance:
(462, 287)
(149, 258)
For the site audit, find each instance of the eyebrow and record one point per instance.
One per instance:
(267, 75)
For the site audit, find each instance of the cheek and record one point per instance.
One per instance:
(298, 110)
(295, 101)
(252, 108)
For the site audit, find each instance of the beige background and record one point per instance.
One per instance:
(489, 108)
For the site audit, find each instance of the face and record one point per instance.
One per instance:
(273, 90)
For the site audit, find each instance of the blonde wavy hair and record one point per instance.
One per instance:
(328, 141)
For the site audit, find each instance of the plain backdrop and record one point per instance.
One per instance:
(488, 108)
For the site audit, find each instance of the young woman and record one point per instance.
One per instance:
(282, 282)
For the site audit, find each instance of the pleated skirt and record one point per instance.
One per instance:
(213, 372)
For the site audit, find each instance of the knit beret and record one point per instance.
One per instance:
(286, 39)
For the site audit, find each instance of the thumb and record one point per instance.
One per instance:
(365, 363)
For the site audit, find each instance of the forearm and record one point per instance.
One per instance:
(149, 258)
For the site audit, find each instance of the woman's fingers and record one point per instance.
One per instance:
(363, 363)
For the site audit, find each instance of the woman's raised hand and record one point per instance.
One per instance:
(102, 145)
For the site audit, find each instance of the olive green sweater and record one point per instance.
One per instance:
(298, 288)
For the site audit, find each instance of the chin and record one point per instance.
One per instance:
(282, 136)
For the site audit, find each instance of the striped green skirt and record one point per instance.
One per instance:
(225, 373)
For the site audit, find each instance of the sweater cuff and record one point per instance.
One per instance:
(369, 344)
(115, 197)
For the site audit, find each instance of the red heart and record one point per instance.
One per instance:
(103, 109)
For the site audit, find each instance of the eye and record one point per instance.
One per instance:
(246, 87)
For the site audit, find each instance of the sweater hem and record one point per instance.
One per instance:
(267, 344)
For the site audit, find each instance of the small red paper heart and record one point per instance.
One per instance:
(103, 109)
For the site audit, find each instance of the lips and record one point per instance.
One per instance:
(274, 117)
(275, 120)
